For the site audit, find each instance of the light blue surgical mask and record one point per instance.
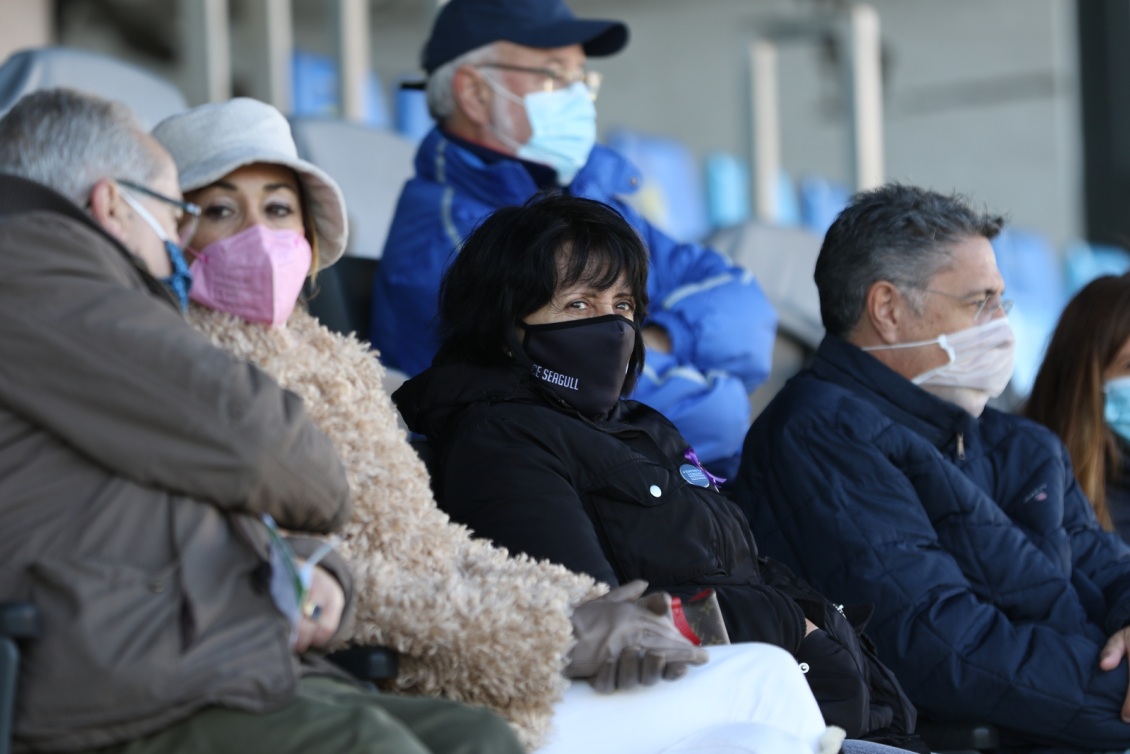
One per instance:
(562, 126)
(1116, 408)
(180, 282)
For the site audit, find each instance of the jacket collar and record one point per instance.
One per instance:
(498, 180)
(896, 397)
(439, 394)
(20, 195)
(544, 176)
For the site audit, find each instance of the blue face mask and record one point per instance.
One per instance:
(1116, 409)
(562, 125)
(180, 282)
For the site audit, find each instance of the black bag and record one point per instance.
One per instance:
(854, 689)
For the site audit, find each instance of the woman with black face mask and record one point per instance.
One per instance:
(535, 449)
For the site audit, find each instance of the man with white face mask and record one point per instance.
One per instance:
(515, 102)
(880, 475)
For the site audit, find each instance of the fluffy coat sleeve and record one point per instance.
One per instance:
(470, 621)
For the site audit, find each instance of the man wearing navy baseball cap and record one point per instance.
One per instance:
(515, 103)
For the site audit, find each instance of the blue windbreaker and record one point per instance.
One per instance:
(721, 325)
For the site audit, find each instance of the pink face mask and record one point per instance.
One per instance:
(256, 274)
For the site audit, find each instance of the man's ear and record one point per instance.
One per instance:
(472, 95)
(885, 309)
(108, 209)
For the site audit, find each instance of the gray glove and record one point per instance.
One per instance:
(624, 641)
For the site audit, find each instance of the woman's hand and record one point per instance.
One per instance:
(321, 612)
(624, 641)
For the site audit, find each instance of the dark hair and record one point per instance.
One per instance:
(518, 258)
(1067, 396)
(897, 233)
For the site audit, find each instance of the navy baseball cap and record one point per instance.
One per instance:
(464, 25)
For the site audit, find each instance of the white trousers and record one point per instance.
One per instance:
(748, 698)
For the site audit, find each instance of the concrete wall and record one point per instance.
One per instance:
(24, 23)
(982, 95)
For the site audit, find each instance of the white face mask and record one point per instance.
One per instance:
(562, 127)
(979, 364)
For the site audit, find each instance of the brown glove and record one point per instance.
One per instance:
(624, 641)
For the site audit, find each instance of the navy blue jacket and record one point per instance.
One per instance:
(995, 588)
(1118, 492)
(721, 325)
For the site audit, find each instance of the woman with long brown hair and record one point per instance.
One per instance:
(1082, 392)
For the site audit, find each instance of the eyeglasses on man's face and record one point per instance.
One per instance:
(187, 214)
(555, 78)
(985, 306)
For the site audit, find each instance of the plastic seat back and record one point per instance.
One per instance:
(371, 166)
(783, 260)
(150, 97)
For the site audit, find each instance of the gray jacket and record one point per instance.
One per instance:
(134, 460)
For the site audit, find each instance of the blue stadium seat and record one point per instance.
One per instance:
(413, 121)
(672, 196)
(315, 83)
(1085, 262)
(727, 190)
(1033, 278)
(820, 201)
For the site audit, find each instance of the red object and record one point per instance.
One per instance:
(681, 622)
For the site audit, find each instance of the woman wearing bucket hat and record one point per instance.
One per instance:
(469, 621)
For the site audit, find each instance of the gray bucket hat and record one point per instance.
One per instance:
(210, 141)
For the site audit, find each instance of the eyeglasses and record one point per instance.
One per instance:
(555, 78)
(188, 214)
(987, 307)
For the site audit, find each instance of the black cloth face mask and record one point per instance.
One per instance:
(583, 361)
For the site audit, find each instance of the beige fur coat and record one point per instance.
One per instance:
(471, 622)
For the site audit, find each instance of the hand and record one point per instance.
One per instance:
(321, 612)
(656, 338)
(1109, 658)
(624, 641)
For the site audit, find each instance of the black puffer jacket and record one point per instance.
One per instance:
(604, 498)
(610, 499)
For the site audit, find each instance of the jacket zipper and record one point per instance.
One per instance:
(960, 447)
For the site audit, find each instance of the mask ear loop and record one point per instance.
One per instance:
(181, 279)
(941, 341)
(499, 89)
(951, 357)
(146, 216)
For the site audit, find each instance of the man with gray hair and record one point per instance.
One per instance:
(880, 475)
(144, 478)
(509, 86)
